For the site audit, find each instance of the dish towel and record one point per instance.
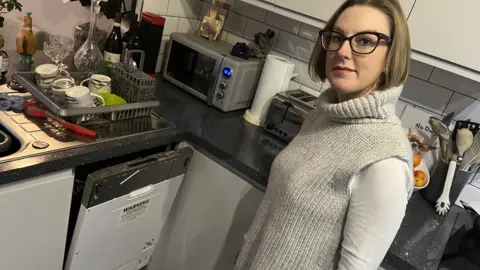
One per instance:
(12, 103)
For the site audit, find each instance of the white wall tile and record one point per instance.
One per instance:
(476, 181)
(223, 37)
(309, 32)
(250, 11)
(254, 27)
(293, 85)
(280, 54)
(171, 25)
(420, 70)
(201, 9)
(158, 68)
(464, 108)
(283, 23)
(182, 8)
(309, 90)
(400, 108)
(301, 68)
(325, 86)
(426, 95)
(456, 82)
(188, 26)
(469, 194)
(429, 111)
(295, 46)
(236, 23)
(156, 6)
(233, 39)
(231, 2)
(165, 39)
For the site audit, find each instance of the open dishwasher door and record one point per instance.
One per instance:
(123, 210)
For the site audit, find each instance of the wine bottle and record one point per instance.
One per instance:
(114, 45)
(133, 41)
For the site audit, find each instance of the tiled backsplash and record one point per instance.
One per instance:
(428, 88)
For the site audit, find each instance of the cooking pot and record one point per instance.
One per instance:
(475, 210)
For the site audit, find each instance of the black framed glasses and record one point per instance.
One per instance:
(361, 43)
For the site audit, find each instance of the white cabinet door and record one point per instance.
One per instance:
(448, 30)
(324, 9)
(34, 219)
(212, 212)
(320, 9)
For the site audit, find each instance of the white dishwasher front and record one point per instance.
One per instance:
(123, 210)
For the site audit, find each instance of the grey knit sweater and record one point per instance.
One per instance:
(300, 221)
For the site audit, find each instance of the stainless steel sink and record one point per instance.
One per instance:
(27, 135)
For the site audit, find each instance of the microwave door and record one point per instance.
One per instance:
(193, 70)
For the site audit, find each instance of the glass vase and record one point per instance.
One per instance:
(88, 56)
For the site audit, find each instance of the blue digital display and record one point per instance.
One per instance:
(227, 72)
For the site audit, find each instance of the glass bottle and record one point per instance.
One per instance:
(88, 56)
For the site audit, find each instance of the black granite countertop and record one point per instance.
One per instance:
(239, 146)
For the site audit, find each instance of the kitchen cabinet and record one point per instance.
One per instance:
(34, 220)
(446, 29)
(324, 9)
(212, 212)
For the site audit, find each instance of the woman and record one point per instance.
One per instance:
(337, 194)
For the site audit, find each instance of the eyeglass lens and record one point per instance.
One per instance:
(361, 43)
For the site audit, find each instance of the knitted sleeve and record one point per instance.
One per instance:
(379, 196)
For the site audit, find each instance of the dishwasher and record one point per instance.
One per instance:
(121, 211)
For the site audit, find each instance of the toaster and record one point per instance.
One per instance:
(287, 112)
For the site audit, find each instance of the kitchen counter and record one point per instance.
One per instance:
(245, 150)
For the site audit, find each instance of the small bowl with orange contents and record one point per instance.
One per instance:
(421, 176)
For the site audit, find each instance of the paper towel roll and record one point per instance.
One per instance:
(276, 75)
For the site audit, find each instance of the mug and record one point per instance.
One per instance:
(61, 85)
(99, 84)
(81, 97)
(45, 74)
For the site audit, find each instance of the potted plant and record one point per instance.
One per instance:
(5, 7)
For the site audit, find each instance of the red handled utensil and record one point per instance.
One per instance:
(36, 110)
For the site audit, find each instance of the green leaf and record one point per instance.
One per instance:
(10, 6)
(18, 6)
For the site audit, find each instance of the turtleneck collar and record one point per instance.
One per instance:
(377, 106)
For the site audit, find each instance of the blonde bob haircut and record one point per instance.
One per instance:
(398, 57)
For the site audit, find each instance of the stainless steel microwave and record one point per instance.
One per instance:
(207, 70)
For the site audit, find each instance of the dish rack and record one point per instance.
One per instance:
(132, 86)
(60, 108)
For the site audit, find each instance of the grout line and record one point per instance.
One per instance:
(429, 76)
(450, 89)
(448, 102)
(190, 18)
(473, 186)
(441, 86)
(271, 26)
(168, 5)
